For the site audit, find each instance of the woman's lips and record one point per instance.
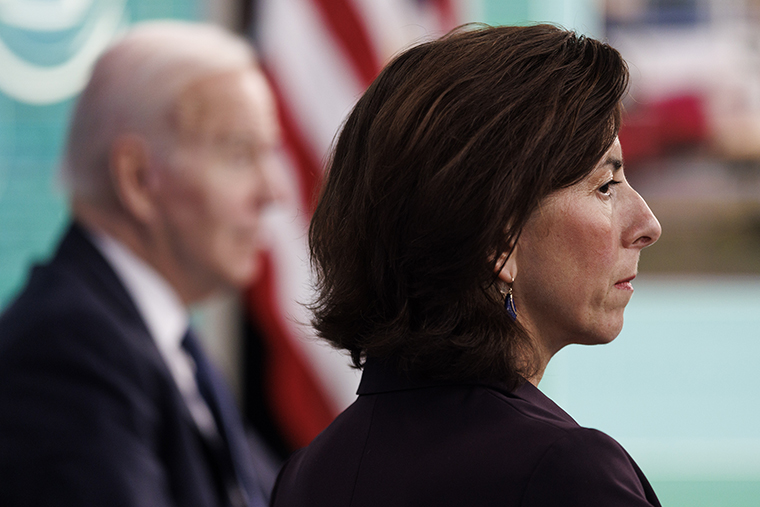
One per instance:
(625, 284)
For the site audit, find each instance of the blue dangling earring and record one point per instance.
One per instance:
(509, 304)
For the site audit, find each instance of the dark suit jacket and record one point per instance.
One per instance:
(89, 412)
(411, 442)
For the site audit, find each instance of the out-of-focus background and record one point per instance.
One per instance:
(679, 388)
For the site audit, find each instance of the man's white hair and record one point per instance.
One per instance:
(133, 88)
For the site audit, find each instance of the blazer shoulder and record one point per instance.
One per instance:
(63, 326)
(586, 467)
(62, 313)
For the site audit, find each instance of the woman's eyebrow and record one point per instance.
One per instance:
(615, 162)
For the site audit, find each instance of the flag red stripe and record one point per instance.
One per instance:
(449, 18)
(306, 161)
(348, 28)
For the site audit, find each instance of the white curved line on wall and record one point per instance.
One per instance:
(44, 15)
(38, 84)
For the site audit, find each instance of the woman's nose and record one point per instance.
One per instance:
(645, 229)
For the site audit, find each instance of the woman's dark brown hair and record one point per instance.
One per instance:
(434, 174)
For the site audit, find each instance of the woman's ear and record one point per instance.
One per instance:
(131, 175)
(508, 264)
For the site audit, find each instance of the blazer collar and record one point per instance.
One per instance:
(382, 377)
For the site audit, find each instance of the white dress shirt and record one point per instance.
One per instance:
(167, 321)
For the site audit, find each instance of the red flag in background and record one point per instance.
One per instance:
(320, 56)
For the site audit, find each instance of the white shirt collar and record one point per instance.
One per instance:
(159, 305)
(166, 318)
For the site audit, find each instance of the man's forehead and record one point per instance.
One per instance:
(218, 99)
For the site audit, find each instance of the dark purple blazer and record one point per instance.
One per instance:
(411, 442)
(89, 412)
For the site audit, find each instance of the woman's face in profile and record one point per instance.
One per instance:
(577, 255)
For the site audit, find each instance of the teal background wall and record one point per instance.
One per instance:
(32, 206)
(31, 211)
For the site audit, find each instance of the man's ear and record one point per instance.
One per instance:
(508, 271)
(131, 174)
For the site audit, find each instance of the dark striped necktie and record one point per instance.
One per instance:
(232, 453)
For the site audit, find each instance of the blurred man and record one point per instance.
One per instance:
(105, 395)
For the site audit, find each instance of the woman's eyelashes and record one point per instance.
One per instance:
(606, 189)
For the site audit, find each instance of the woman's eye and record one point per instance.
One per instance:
(607, 187)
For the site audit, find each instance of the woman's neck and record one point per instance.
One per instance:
(542, 354)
